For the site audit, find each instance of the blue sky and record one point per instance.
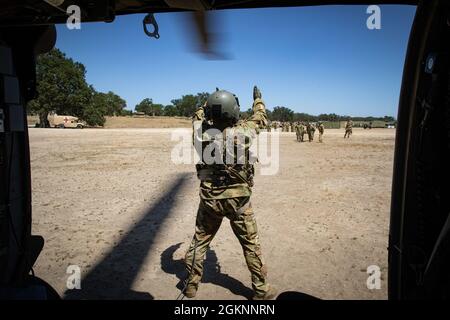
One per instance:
(312, 59)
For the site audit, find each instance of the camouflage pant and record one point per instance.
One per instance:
(320, 136)
(209, 218)
(348, 132)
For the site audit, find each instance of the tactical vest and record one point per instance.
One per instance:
(227, 172)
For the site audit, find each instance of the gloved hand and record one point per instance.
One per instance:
(258, 104)
(256, 93)
(199, 114)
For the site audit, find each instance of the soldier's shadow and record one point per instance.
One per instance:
(211, 272)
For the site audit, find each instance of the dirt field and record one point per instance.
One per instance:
(111, 202)
(147, 122)
(135, 122)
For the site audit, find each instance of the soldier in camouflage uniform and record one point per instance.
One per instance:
(297, 131)
(225, 191)
(309, 131)
(275, 125)
(348, 128)
(302, 131)
(321, 129)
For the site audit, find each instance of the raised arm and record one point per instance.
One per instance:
(258, 119)
(197, 120)
(199, 114)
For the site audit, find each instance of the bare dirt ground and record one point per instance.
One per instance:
(111, 202)
(147, 122)
(135, 122)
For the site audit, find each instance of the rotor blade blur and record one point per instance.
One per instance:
(202, 31)
(205, 29)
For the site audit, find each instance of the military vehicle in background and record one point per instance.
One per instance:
(391, 125)
(63, 121)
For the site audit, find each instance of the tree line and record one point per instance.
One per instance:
(62, 88)
(285, 114)
(187, 104)
(182, 107)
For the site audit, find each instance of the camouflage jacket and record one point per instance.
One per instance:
(321, 128)
(224, 181)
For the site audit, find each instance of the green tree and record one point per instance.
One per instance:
(170, 111)
(95, 111)
(246, 114)
(202, 97)
(93, 115)
(61, 87)
(157, 109)
(126, 112)
(149, 108)
(144, 106)
(304, 117)
(187, 104)
(114, 104)
(282, 114)
(102, 104)
(328, 117)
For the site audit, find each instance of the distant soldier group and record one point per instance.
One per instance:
(300, 128)
(285, 126)
(367, 126)
(309, 129)
(305, 127)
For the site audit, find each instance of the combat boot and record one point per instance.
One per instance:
(270, 294)
(191, 291)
